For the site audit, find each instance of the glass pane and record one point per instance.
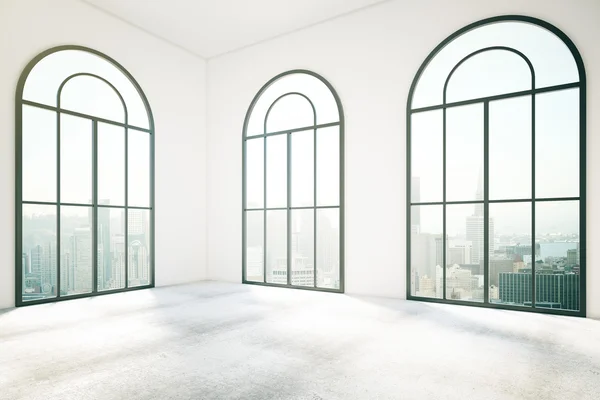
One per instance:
(310, 86)
(557, 144)
(47, 75)
(39, 154)
(111, 164)
(138, 232)
(473, 79)
(39, 252)
(557, 277)
(255, 164)
(111, 248)
(290, 112)
(277, 247)
(464, 229)
(328, 248)
(427, 156)
(464, 153)
(92, 96)
(76, 154)
(510, 261)
(139, 169)
(277, 171)
(510, 148)
(303, 167)
(255, 246)
(328, 166)
(551, 59)
(76, 259)
(303, 247)
(426, 251)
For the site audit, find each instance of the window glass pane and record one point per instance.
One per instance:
(310, 86)
(557, 144)
(551, 58)
(255, 226)
(39, 154)
(277, 171)
(277, 247)
(48, 74)
(511, 257)
(426, 251)
(39, 252)
(92, 96)
(303, 247)
(111, 164)
(290, 112)
(328, 248)
(75, 160)
(464, 228)
(303, 179)
(510, 148)
(472, 79)
(464, 153)
(139, 168)
(111, 248)
(138, 232)
(328, 166)
(255, 164)
(557, 278)
(427, 156)
(76, 259)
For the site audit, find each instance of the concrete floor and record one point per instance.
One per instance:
(225, 341)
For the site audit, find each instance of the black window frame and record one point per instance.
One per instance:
(289, 208)
(19, 203)
(485, 101)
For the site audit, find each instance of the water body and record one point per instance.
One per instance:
(556, 249)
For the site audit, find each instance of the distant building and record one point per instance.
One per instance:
(551, 289)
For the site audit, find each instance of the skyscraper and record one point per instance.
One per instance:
(475, 228)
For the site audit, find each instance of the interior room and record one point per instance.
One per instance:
(325, 199)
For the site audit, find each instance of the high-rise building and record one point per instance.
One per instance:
(104, 240)
(424, 256)
(573, 256)
(82, 260)
(553, 290)
(475, 227)
(498, 266)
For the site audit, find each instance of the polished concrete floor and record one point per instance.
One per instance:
(226, 341)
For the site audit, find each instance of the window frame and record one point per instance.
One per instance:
(94, 205)
(485, 101)
(289, 208)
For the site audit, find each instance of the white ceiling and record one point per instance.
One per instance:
(209, 28)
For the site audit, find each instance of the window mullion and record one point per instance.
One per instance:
(57, 255)
(315, 208)
(486, 201)
(95, 207)
(289, 208)
(444, 240)
(533, 280)
(126, 239)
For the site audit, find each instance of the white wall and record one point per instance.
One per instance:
(371, 57)
(174, 82)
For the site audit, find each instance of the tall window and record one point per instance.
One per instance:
(84, 178)
(496, 170)
(293, 184)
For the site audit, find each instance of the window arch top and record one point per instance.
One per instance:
(87, 82)
(503, 71)
(292, 100)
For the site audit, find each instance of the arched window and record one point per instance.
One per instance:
(293, 165)
(496, 170)
(84, 178)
